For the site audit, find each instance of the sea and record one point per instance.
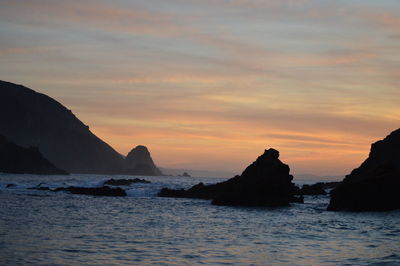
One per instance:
(58, 228)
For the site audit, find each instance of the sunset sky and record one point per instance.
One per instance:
(210, 84)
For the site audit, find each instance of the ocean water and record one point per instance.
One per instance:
(49, 228)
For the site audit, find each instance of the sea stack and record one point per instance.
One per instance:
(266, 182)
(20, 160)
(139, 162)
(375, 185)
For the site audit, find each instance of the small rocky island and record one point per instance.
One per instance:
(375, 185)
(139, 162)
(20, 160)
(266, 182)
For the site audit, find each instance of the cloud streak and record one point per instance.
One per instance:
(210, 84)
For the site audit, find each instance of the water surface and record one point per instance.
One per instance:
(42, 228)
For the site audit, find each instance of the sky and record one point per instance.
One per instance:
(210, 84)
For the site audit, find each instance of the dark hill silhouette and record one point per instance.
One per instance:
(375, 185)
(19, 160)
(139, 162)
(29, 119)
(266, 182)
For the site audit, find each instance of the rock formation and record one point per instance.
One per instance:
(318, 188)
(375, 185)
(139, 162)
(20, 160)
(266, 182)
(28, 118)
(93, 191)
(315, 189)
(125, 182)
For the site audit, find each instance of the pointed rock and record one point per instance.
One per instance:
(139, 162)
(266, 182)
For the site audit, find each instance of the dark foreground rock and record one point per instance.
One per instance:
(96, 191)
(266, 182)
(124, 182)
(20, 160)
(375, 185)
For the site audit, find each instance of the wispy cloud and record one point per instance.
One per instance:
(211, 83)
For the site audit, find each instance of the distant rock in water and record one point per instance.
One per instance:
(315, 189)
(139, 162)
(186, 174)
(124, 182)
(266, 182)
(375, 185)
(19, 160)
(318, 188)
(94, 191)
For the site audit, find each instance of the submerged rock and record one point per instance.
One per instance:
(375, 185)
(266, 182)
(94, 191)
(124, 182)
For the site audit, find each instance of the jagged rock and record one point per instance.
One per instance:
(186, 174)
(139, 162)
(97, 191)
(20, 160)
(124, 182)
(266, 182)
(375, 185)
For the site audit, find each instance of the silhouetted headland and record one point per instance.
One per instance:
(266, 182)
(28, 118)
(20, 160)
(375, 185)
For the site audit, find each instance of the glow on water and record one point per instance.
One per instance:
(41, 227)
